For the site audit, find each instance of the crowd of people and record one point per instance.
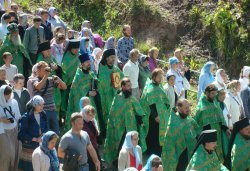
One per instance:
(70, 99)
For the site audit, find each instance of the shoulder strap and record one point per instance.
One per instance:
(46, 87)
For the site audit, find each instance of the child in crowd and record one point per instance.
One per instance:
(21, 94)
(11, 70)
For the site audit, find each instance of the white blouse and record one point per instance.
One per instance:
(40, 160)
(15, 111)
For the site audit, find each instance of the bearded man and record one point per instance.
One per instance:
(13, 44)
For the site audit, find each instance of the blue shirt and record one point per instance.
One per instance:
(124, 46)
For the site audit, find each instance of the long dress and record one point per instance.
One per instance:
(70, 62)
(155, 103)
(203, 161)
(180, 140)
(209, 116)
(122, 119)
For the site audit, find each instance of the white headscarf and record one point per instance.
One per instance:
(36, 100)
(218, 77)
(3, 102)
(246, 71)
(95, 52)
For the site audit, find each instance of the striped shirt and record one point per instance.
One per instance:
(48, 97)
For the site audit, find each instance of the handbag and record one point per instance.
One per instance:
(70, 162)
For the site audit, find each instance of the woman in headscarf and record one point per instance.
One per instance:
(23, 24)
(87, 24)
(144, 72)
(5, 19)
(206, 77)
(154, 163)
(33, 125)
(220, 79)
(97, 55)
(233, 101)
(44, 158)
(99, 41)
(244, 77)
(179, 79)
(110, 43)
(9, 117)
(55, 20)
(131, 153)
(90, 126)
(169, 87)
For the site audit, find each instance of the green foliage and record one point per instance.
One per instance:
(195, 13)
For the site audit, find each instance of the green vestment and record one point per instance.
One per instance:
(202, 161)
(81, 85)
(180, 134)
(155, 94)
(105, 87)
(240, 155)
(19, 54)
(121, 119)
(70, 62)
(209, 113)
(143, 76)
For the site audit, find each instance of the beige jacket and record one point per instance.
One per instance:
(124, 159)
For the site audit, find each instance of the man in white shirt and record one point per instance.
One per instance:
(131, 70)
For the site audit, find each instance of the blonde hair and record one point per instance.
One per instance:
(152, 51)
(89, 108)
(232, 86)
(41, 64)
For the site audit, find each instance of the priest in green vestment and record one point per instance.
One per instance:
(12, 43)
(180, 138)
(106, 85)
(204, 157)
(85, 84)
(125, 115)
(238, 157)
(44, 54)
(209, 116)
(155, 103)
(70, 62)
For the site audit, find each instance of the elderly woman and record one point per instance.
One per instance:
(87, 24)
(33, 125)
(97, 55)
(233, 101)
(55, 20)
(153, 55)
(206, 77)
(144, 72)
(131, 153)
(220, 79)
(9, 116)
(179, 80)
(154, 163)
(44, 158)
(23, 24)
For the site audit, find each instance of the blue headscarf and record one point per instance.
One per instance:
(206, 69)
(128, 144)
(173, 60)
(83, 48)
(81, 102)
(148, 166)
(54, 162)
